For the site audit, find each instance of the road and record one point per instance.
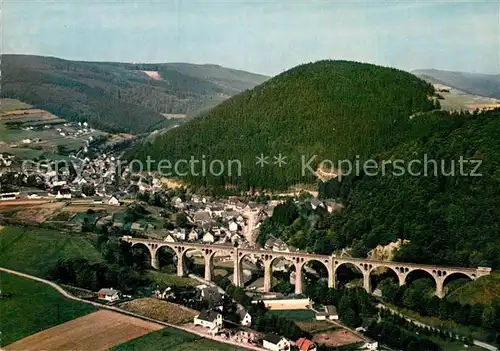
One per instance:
(420, 324)
(119, 310)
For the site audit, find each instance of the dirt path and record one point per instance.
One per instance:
(111, 308)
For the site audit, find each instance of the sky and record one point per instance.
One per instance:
(266, 37)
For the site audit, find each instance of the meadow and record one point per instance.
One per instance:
(32, 307)
(34, 251)
(174, 340)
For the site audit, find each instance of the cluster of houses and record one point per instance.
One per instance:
(218, 221)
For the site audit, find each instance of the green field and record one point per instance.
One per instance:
(170, 279)
(482, 290)
(34, 251)
(12, 104)
(296, 315)
(173, 339)
(33, 307)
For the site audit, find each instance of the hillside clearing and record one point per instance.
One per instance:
(100, 330)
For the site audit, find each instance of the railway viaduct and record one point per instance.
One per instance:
(299, 259)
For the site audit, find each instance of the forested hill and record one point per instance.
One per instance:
(333, 109)
(473, 83)
(448, 219)
(120, 97)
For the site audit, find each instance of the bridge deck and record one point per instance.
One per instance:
(306, 255)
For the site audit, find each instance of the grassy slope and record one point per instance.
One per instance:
(12, 104)
(33, 251)
(172, 339)
(482, 290)
(32, 308)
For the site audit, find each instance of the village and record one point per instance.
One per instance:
(141, 205)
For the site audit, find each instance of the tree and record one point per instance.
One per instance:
(181, 220)
(351, 318)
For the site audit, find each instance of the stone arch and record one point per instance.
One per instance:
(324, 262)
(418, 273)
(167, 255)
(385, 271)
(454, 276)
(287, 273)
(342, 270)
(323, 270)
(193, 265)
(250, 267)
(143, 252)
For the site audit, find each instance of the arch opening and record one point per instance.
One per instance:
(141, 255)
(348, 275)
(384, 281)
(193, 261)
(283, 275)
(167, 259)
(420, 279)
(314, 271)
(251, 272)
(455, 281)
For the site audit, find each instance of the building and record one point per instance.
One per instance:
(208, 238)
(208, 319)
(370, 345)
(330, 312)
(304, 344)
(170, 238)
(275, 342)
(109, 294)
(113, 201)
(245, 317)
(233, 227)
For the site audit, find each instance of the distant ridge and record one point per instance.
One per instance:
(120, 97)
(473, 83)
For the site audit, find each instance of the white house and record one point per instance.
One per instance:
(113, 201)
(170, 238)
(233, 226)
(245, 317)
(275, 342)
(208, 238)
(109, 294)
(370, 345)
(180, 234)
(330, 312)
(208, 319)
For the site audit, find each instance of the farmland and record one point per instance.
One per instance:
(161, 310)
(174, 340)
(35, 132)
(96, 331)
(33, 251)
(32, 307)
(458, 100)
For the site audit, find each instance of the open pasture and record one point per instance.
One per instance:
(100, 330)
